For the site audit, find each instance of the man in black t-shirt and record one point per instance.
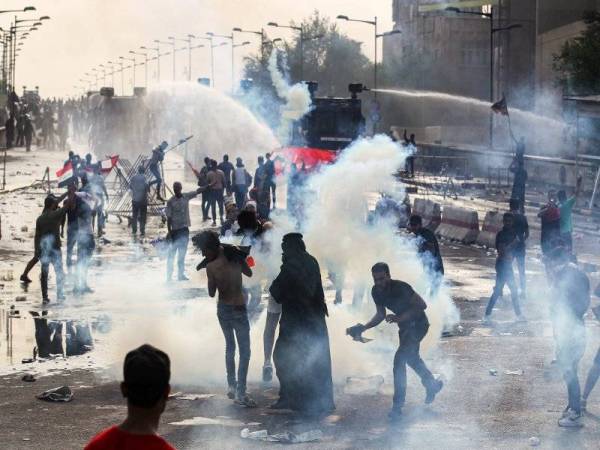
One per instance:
(408, 310)
(521, 228)
(506, 242)
(429, 250)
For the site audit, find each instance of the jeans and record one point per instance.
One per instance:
(408, 353)
(570, 343)
(273, 189)
(154, 170)
(101, 218)
(240, 191)
(520, 258)
(85, 249)
(235, 325)
(72, 231)
(52, 256)
(139, 211)
(216, 198)
(504, 275)
(179, 245)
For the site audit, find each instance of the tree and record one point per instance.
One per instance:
(578, 63)
(330, 58)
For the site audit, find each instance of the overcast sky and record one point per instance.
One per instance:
(85, 33)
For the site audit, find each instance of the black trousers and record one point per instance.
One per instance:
(408, 354)
(504, 275)
(139, 212)
(205, 204)
(216, 198)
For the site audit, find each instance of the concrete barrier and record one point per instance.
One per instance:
(491, 225)
(459, 224)
(430, 212)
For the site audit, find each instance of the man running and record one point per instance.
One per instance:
(408, 310)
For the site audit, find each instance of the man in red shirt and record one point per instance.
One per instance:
(147, 371)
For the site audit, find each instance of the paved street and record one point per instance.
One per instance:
(475, 409)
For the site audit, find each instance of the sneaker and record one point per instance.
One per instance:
(245, 400)
(87, 290)
(214, 224)
(433, 390)
(231, 392)
(183, 278)
(521, 318)
(487, 320)
(45, 300)
(571, 420)
(25, 279)
(267, 374)
(395, 414)
(60, 297)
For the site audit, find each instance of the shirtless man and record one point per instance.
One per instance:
(224, 271)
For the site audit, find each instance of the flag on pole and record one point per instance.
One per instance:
(65, 175)
(500, 107)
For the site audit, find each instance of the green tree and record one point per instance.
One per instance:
(330, 58)
(578, 63)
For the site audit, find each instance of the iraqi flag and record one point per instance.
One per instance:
(106, 165)
(312, 158)
(500, 107)
(66, 175)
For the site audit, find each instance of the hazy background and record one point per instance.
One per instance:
(85, 33)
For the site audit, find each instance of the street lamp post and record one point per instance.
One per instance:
(131, 60)
(158, 42)
(489, 15)
(189, 48)
(212, 58)
(173, 43)
(145, 55)
(157, 58)
(122, 75)
(112, 73)
(230, 37)
(260, 33)
(233, 47)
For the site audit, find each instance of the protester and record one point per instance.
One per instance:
(570, 301)
(521, 228)
(594, 372)
(72, 224)
(271, 186)
(203, 183)
(178, 226)
(408, 310)
(227, 168)
(9, 131)
(242, 180)
(506, 242)
(139, 201)
(85, 205)
(47, 243)
(98, 188)
(517, 167)
(28, 132)
(429, 250)
(216, 184)
(146, 374)
(158, 155)
(302, 357)
(550, 216)
(224, 272)
(250, 230)
(565, 205)
(410, 159)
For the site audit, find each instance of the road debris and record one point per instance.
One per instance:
(60, 394)
(287, 437)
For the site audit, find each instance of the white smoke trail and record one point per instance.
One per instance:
(297, 98)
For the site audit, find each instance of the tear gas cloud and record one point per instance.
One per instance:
(296, 97)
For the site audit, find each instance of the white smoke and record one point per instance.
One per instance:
(296, 97)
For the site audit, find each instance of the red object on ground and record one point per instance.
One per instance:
(250, 261)
(113, 438)
(311, 157)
